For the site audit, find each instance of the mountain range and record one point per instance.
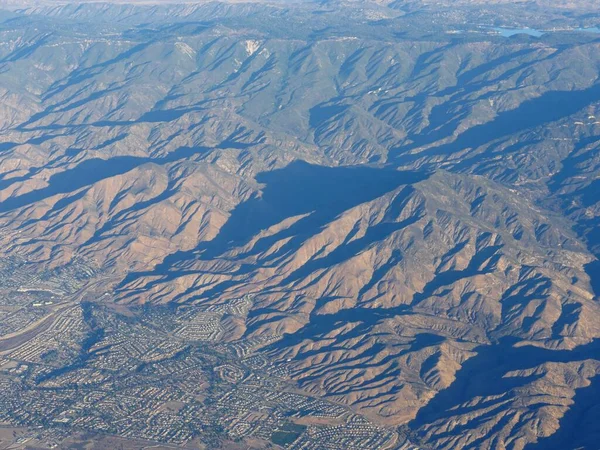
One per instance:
(409, 197)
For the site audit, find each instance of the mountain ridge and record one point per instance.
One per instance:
(389, 207)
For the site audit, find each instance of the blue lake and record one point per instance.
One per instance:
(590, 30)
(508, 32)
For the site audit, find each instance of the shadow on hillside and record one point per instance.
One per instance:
(320, 193)
(579, 428)
(90, 172)
(484, 375)
(549, 107)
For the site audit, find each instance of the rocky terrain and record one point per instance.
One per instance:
(410, 198)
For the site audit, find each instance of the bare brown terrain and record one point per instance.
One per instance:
(389, 207)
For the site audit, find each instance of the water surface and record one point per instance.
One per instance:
(595, 30)
(508, 32)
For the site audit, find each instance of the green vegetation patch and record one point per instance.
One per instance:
(287, 434)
